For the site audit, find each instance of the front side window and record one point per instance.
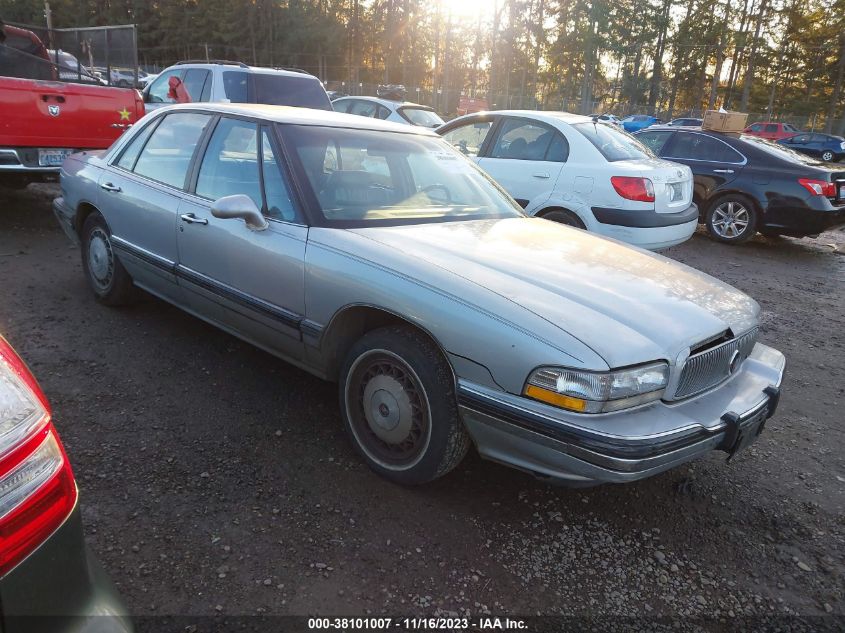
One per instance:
(771, 127)
(230, 165)
(341, 105)
(378, 178)
(160, 88)
(612, 143)
(757, 127)
(363, 108)
(470, 137)
(167, 154)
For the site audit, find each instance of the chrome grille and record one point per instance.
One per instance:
(710, 367)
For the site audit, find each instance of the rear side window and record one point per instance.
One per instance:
(168, 152)
(703, 148)
(364, 108)
(235, 86)
(303, 91)
(772, 127)
(654, 140)
(421, 116)
(522, 140)
(341, 105)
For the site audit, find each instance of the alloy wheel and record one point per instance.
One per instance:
(828, 156)
(730, 219)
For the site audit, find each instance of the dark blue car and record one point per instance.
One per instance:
(825, 146)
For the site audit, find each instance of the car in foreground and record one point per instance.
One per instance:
(234, 82)
(590, 175)
(771, 130)
(49, 580)
(375, 255)
(745, 184)
(686, 122)
(636, 122)
(828, 147)
(389, 110)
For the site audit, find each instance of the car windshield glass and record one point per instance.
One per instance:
(421, 116)
(613, 143)
(372, 177)
(780, 151)
(275, 89)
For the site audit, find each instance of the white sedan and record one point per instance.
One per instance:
(581, 172)
(389, 110)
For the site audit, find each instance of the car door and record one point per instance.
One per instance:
(526, 157)
(250, 282)
(713, 162)
(139, 197)
(470, 135)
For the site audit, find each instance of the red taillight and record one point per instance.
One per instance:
(37, 489)
(818, 187)
(633, 188)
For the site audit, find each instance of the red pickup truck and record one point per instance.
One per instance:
(44, 121)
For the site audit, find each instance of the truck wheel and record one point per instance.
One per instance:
(731, 219)
(397, 400)
(107, 277)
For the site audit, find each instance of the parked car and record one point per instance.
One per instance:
(44, 122)
(375, 255)
(771, 130)
(71, 69)
(235, 82)
(747, 184)
(825, 146)
(637, 122)
(607, 118)
(46, 569)
(590, 175)
(387, 110)
(686, 122)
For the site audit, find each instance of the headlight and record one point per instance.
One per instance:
(597, 392)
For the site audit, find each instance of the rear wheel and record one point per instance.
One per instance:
(731, 219)
(564, 216)
(397, 399)
(107, 277)
(827, 156)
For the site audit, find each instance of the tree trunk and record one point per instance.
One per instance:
(752, 55)
(720, 59)
(735, 59)
(657, 67)
(837, 90)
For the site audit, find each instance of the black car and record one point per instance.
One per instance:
(49, 580)
(745, 184)
(825, 146)
(685, 122)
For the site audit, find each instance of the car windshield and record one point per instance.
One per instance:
(371, 177)
(275, 89)
(613, 143)
(779, 151)
(421, 116)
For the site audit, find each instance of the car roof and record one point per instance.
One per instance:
(386, 102)
(547, 116)
(264, 70)
(298, 116)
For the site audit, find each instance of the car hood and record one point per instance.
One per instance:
(627, 304)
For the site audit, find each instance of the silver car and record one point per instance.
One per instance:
(375, 255)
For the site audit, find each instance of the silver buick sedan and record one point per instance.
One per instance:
(375, 255)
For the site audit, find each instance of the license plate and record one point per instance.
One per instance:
(749, 429)
(53, 157)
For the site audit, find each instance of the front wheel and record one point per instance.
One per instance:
(827, 156)
(106, 276)
(731, 219)
(564, 216)
(397, 400)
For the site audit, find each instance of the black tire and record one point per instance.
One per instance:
(564, 216)
(413, 433)
(106, 276)
(731, 219)
(827, 156)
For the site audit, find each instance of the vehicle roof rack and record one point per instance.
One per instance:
(291, 69)
(211, 61)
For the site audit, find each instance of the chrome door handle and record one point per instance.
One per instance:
(108, 186)
(723, 171)
(190, 218)
(541, 175)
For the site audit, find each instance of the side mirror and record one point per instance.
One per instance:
(239, 206)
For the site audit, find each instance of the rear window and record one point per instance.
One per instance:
(613, 143)
(421, 116)
(271, 89)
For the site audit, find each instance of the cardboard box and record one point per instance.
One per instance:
(724, 121)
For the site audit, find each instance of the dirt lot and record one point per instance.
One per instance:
(216, 479)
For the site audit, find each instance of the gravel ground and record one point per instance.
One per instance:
(216, 479)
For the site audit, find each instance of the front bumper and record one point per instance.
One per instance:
(579, 449)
